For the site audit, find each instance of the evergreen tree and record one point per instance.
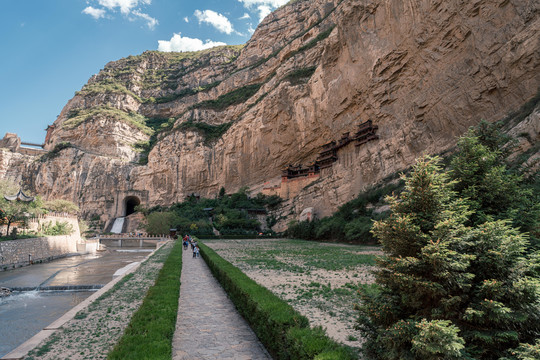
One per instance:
(447, 290)
(482, 177)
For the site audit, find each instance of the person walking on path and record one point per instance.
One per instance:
(214, 330)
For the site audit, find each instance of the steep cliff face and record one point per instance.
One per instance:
(161, 126)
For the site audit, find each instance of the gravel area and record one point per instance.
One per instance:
(320, 280)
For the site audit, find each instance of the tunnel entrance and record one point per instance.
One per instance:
(131, 202)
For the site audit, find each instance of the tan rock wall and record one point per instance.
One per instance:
(422, 70)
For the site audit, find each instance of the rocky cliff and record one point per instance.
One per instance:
(161, 126)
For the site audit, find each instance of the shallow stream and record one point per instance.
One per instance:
(25, 313)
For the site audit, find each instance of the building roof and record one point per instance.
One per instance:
(20, 196)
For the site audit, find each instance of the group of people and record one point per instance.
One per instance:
(187, 240)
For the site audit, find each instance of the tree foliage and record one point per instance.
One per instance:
(228, 214)
(15, 211)
(351, 223)
(453, 284)
(61, 206)
(492, 191)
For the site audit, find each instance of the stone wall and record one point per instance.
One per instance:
(15, 253)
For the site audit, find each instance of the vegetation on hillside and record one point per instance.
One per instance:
(233, 97)
(351, 223)
(61, 206)
(300, 76)
(107, 86)
(55, 152)
(77, 116)
(209, 132)
(157, 126)
(230, 214)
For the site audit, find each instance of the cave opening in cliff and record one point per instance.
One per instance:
(131, 202)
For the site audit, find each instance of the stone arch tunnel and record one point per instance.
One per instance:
(130, 203)
(126, 201)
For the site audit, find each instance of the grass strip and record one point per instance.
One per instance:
(150, 332)
(284, 332)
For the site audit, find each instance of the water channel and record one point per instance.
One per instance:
(23, 314)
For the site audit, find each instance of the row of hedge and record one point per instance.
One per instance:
(237, 237)
(150, 332)
(284, 332)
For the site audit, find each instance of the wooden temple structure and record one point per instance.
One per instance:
(328, 154)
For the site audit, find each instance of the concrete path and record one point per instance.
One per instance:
(208, 325)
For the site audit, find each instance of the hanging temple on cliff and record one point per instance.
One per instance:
(328, 155)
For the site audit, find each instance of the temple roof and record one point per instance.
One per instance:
(20, 196)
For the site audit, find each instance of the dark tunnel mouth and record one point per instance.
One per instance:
(131, 202)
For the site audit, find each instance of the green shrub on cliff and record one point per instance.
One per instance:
(233, 97)
(107, 86)
(77, 117)
(209, 132)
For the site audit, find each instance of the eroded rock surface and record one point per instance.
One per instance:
(423, 71)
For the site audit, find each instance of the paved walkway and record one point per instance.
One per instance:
(208, 325)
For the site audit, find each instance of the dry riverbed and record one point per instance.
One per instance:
(93, 332)
(320, 280)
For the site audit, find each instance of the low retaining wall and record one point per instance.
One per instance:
(15, 253)
(130, 242)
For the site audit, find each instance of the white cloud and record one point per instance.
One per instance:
(179, 43)
(250, 29)
(263, 7)
(150, 21)
(272, 3)
(125, 6)
(263, 11)
(93, 12)
(129, 8)
(215, 19)
(245, 16)
(186, 19)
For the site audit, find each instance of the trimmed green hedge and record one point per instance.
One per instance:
(150, 332)
(284, 332)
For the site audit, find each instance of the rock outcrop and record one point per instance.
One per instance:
(161, 126)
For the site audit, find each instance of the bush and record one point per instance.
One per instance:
(59, 228)
(234, 97)
(55, 152)
(150, 332)
(352, 222)
(283, 331)
(300, 76)
(209, 132)
(158, 223)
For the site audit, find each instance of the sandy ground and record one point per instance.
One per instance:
(94, 331)
(325, 297)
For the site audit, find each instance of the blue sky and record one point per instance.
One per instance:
(50, 48)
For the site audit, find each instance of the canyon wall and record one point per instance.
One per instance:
(162, 126)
